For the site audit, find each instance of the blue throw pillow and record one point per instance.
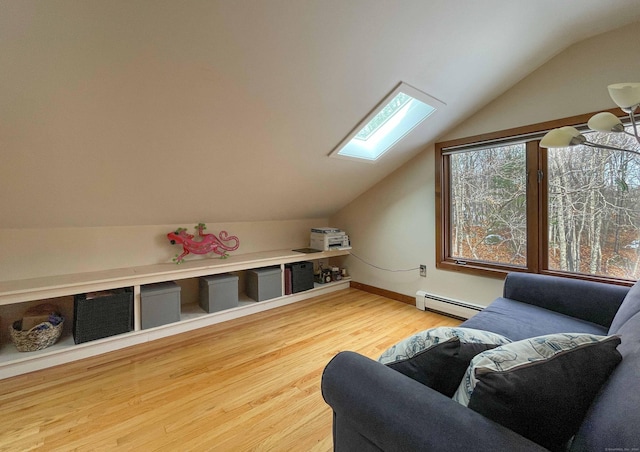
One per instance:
(439, 357)
(540, 387)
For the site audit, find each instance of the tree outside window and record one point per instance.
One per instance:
(513, 206)
(488, 205)
(593, 209)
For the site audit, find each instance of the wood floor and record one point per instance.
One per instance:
(251, 384)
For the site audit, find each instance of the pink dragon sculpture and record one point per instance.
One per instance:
(202, 243)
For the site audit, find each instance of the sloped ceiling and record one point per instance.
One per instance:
(120, 112)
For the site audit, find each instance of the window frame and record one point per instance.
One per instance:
(404, 127)
(537, 201)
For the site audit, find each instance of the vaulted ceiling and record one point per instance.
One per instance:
(118, 112)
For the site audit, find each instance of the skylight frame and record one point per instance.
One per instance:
(355, 148)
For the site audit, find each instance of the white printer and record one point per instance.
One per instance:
(326, 239)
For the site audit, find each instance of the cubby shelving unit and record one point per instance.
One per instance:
(63, 288)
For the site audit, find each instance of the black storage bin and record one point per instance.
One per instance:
(301, 276)
(102, 314)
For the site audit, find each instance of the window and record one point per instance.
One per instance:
(399, 113)
(488, 205)
(505, 204)
(593, 210)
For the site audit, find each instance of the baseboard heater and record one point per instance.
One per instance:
(454, 308)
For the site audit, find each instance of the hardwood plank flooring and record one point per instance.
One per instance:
(250, 384)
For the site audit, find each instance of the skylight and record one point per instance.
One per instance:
(399, 113)
(383, 116)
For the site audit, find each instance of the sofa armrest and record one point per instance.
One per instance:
(392, 412)
(587, 300)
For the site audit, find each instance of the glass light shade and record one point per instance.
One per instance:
(570, 131)
(625, 95)
(557, 138)
(605, 122)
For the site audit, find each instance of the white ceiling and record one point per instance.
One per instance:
(118, 112)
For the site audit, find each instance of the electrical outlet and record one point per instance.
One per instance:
(423, 271)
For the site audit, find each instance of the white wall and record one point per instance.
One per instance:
(29, 253)
(393, 224)
(573, 83)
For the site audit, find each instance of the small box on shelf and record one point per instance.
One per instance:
(159, 304)
(301, 276)
(218, 292)
(97, 315)
(264, 283)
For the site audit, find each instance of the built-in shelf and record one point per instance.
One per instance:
(61, 285)
(192, 316)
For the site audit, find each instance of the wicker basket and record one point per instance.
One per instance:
(39, 337)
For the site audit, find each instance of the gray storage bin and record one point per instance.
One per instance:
(264, 283)
(159, 304)
(218, 292)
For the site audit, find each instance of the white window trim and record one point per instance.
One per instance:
(404, 88)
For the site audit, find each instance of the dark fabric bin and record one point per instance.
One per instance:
(301, 276)
(102, 314)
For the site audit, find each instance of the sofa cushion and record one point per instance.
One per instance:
(507, 317)
(613, 419)
(630, 306)
(594, 302)
(540, 387)
(438, 357)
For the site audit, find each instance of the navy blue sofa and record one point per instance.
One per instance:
(377, 408)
